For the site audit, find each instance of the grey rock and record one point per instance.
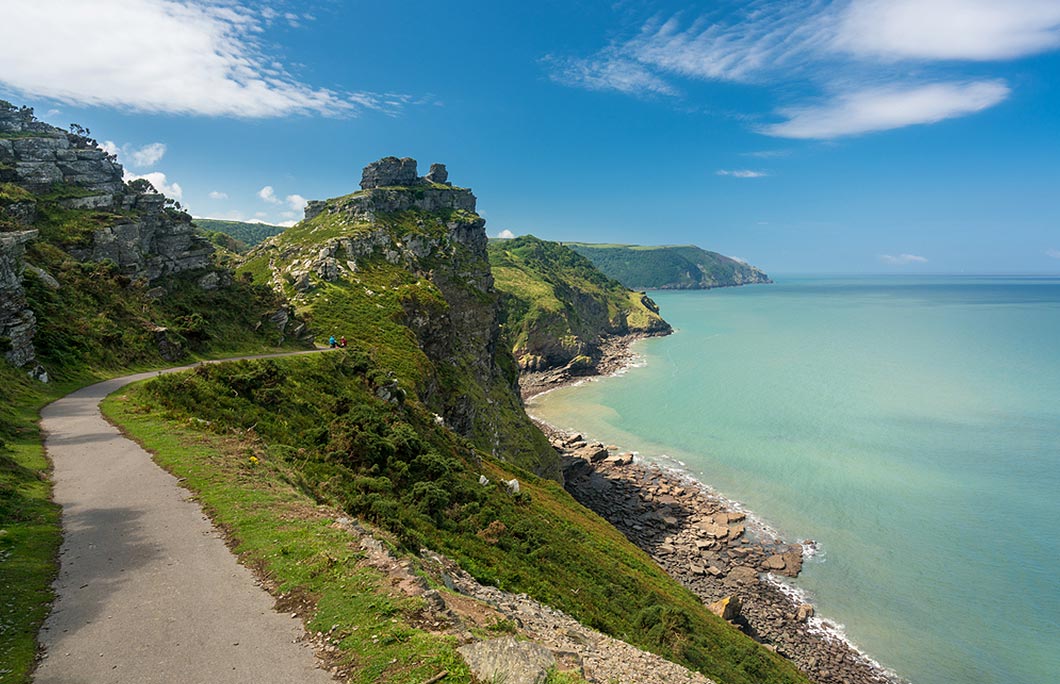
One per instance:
(437, 174)
(17, 322)
(508, 660)
(49, 282)
(388, 172)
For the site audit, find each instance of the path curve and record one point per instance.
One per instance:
(147, 590)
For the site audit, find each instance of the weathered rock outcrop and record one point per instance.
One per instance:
(389, 171)
(17, 322)
(391, 185)
(62, 183)
(148, 236)
(428, 237)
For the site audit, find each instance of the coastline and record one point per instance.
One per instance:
(708, 543)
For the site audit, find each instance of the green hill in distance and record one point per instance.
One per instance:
(249, 234)
(668, 267)
(557, 308)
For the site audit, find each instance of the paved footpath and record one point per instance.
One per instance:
(147, 590)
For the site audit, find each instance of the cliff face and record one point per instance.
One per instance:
(403, 272)
(69, 225)
(677, 267)
(557, 308)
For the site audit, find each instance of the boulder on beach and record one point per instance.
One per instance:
(727, 608)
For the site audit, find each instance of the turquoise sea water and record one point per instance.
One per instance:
(910, 426)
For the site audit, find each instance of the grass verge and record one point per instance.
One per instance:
(286, 537)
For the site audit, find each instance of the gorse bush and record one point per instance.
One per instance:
(322, 422)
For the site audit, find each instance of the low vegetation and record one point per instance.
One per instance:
(673, 267)
(319, 424)
(245, 234)
(556, 306)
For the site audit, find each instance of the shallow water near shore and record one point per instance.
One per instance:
(909, 425)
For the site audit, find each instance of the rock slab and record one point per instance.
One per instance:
(508, 660)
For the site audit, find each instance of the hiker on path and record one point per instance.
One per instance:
(331, 341)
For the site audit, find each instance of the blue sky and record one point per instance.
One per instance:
(852, 136)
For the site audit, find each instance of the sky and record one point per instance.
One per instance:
(853, 136)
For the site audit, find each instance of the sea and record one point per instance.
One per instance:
(909, 425)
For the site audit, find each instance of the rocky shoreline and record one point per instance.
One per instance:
(615, 355)
(707, 544)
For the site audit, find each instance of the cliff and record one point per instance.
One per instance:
(402, 271)
(557, 308)
(96, 272)
(677, 267)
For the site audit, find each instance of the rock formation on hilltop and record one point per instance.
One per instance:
(391, 185)
(401, 267)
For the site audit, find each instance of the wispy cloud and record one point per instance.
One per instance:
(902, 259)
(741, 173)
(768, 154)
(609, 71)
(218, 195)
(882, 109)
(1053, 253)
(835, 47)
(948, 29)
(203, 57)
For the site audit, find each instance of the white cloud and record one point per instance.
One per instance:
(1053, 253)
(740, 259)
(146, 156)
(140, 157)
(881, 109)
(608, 72)
(218, 195)
(949, 29)
(269, 195)
(741, 173)
(285, 224)
(768, 154)
(180, 56)
(161, 183)
(506, 234)
(902, 259)
(838, 46)
(297, 202)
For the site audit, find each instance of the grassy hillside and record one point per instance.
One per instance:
(248, 234)
(676, 267)
(556, 306)
(413, 288)
(320, 423)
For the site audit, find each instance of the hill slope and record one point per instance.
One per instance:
(250, 234)
(677, 267)
(556, 307)
(400, 268)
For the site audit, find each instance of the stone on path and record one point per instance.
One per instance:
(508, 660)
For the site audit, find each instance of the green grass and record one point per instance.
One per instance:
(29, 523)
(670, 266)
(288, 537)
(556, 305)
(249, 234)
(321, 424)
